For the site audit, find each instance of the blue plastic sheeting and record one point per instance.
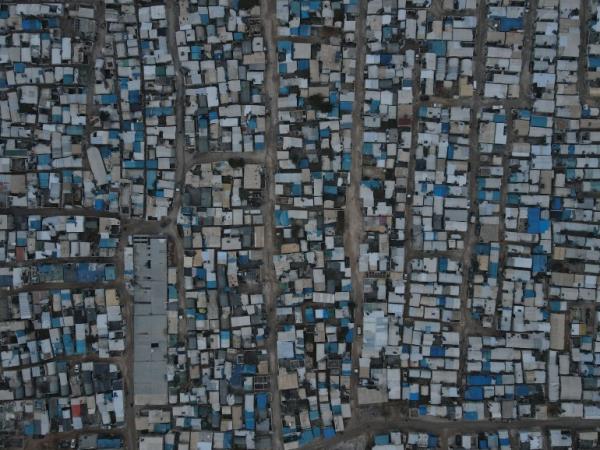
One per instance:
(443, 264)
(471, 415)
(109, 443)
(261, 401)
(510, 24)
(524, 114)
(249, 420)
(539, 121)
(482, 249)
(493, 270)
(349, 336)
(440, 190)
(108, 99)
(437, 47)
(110, 273)
(107, 243)
(85, 273)
(556, 204)
(28, 429)
(382, 439)
(302, 30)
(594, 62)
(474, 393)
(346, 161)
(522, 390)
(328, 432)
(227, 439)
(281, 218)
(374, 106)
(236, 376)
(432, 441)
(80, 347)
(303, 64)
(540, 263)
(346, 106)
(68, 344)
(422, 111)
(437, 351)
(131, 164)
(535, 224)
(306, 437)
(479, 380)
(44, 180)
(31, 24)
(372, 184)
(284, 46)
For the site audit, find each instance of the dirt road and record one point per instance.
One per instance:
(268, 8)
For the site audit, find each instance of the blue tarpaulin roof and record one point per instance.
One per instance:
(535, 224)
(440, 190)
(594, 62)
(437, 47)
(474, 393)
(282, 218)
(510, 24)
(479, 380)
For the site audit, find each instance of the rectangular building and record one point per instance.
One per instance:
(150, 320)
